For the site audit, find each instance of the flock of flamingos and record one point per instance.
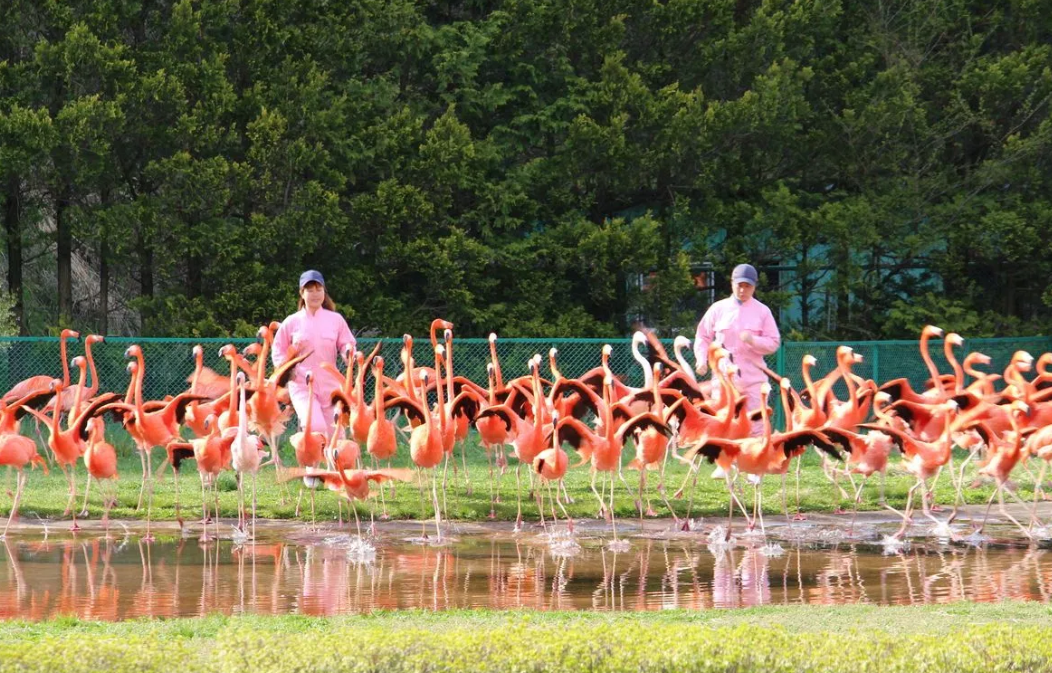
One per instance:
(237, 419)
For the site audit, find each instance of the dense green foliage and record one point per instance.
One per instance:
(852, 639)
(519, 165)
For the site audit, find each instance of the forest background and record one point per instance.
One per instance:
(532, 167)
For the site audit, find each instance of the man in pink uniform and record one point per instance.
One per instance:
(317, 328)
(746, 328)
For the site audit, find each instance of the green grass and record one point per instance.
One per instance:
(45, 496)
(957, 637)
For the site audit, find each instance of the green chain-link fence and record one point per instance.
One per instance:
(169, 362)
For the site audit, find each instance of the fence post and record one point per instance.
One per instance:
(876, 363)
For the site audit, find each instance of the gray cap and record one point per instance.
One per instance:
(745, 273)
(312, 276)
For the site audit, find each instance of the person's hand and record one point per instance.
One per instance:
(746, 337)
(702, 369)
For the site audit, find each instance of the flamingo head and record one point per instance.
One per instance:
(1022, 361)
(447, 335)
(1020, 408)
(955, 339)
(263, 332)
(274, 326)
(69, 334)
(197, 351)
(133, 351)
(977, 358)
(493, 337)
(810, 360)
(765, 388)
(785, 383)
(607, 350)
(56, 386)
(79, 362)
(240, 378)
(638, 337)
(252, 349)
(378, 364)
(94, 339)
(657, 369)
(552, 352)
(133, 367)
(309, 376)
(930, 331)
(228, 351)
(680, 342)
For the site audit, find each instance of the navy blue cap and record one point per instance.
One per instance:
(745, 273)
(312, 276)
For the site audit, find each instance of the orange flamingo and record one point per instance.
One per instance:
(550, 465)
(42, 383)
(381, 442)
(17, 451)
(67, 445)
(100, 459)
(309, 447)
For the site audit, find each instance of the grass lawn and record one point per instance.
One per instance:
(955, 637)
(45, 496)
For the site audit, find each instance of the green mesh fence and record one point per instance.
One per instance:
(169, 362)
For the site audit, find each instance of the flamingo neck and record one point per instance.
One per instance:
(65, 364)
(928, 362)
(958, 371)
(91, 366)
(687, 370)
(378, 396)
(648, 376)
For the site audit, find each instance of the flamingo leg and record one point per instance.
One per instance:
(20, 484)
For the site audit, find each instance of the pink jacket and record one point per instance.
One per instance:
(326, 334)
(725, 321)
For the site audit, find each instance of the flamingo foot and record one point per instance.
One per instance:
(799, 516)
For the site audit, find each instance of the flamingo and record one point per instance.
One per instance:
(651, 442)
(900, 388)
(17, 451)
(42, 383)
(67, 445)
(381, 442)
(550, 465)
(309, 447)
(922, 459)
(353, 484)
(100, 459)
(245, 458)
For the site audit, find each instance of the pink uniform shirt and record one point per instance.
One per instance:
(326, 335)
(724, 322)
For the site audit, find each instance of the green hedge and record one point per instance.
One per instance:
(517, 643)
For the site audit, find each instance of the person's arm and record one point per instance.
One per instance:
(702, 340)
(282, 341)
(768, 340)
(345, 339)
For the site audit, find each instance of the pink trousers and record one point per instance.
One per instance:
(321, 411)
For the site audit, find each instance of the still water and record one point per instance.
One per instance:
(121, 578)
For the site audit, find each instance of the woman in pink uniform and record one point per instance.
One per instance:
(319, 329)
(746, 328)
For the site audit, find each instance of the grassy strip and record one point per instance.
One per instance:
(45, 495)
(850, 638)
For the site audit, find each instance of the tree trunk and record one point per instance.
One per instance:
(13, 229)
(104, 284)
(64, 235)
(145, 251)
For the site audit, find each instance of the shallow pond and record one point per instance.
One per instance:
(332, 572)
